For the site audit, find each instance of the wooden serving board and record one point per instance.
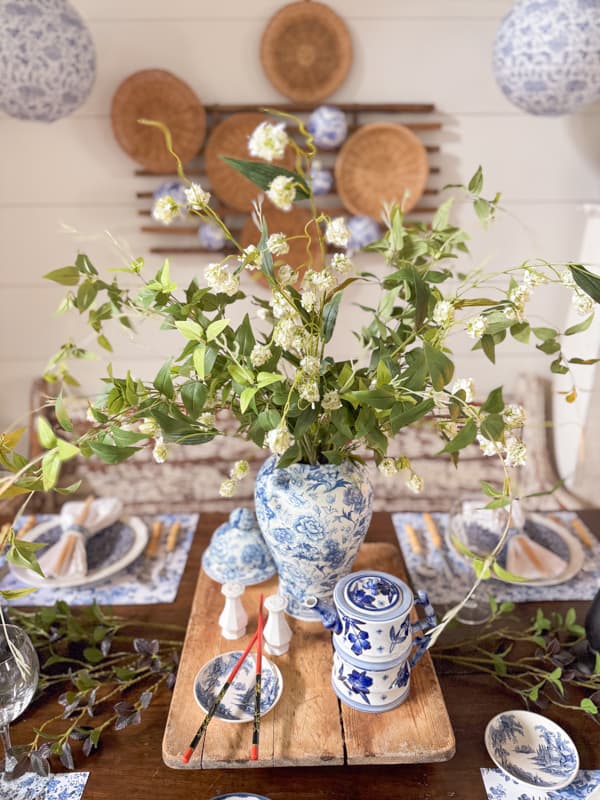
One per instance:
(309, 726)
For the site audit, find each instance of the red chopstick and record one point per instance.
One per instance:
(256, 729)
(211, 712)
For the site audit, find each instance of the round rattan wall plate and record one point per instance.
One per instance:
(158, 95)
(306, 51)
(378, 164)
(230, 138)
(291, 223)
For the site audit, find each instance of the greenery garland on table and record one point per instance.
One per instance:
(545, 663)
(104, 677)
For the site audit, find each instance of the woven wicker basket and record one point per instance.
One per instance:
(230, 138)
(381, 163)
(291, 223)
(158, 95)
(306, 51)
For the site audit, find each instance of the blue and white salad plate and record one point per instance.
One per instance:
(109, 551)
(238, 703)
(532, 749)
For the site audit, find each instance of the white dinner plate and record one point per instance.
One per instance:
(575, 556)
(109, 552)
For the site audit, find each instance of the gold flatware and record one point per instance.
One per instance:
(27, 526)
(153, 542)
(413, 539)
(582, 532)
(170, 547)
(438, 544)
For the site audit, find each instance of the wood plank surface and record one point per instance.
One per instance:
(309, 726)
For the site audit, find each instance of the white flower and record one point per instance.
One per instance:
(239, 470)
(513, 415)
(516, 452)
(440, 399)
(260, 355)
(341, 263)
(281, 192)
(160, 452)
(268, 141)
(443, 312)
(278, 440)
(250, 257)
(448, 427)
(415, 483)
(309, 390)
(279, 304)
(388, 467)
(277, 244)
(207, 419)
(519, 296)
(148, 427)
(566, 278)
(196, 196)
(476, 327)
(308, 298)
(510, 313)
(321, 280)
(286, 275)
(583, 303)
(488, 447)
(337, 233)
(311, 365)
(331, 401)
(220, 279)
(466, 385)
(534, 278)
(227, 488)
(288, 334)
(165, 209)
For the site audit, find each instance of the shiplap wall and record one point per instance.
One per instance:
(72, 173)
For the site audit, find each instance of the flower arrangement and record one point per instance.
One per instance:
(271, 369)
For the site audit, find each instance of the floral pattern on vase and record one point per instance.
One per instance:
(313, 519)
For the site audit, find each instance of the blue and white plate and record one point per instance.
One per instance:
(238, 703)
(240, 796)
(109, 551)
(532, 749)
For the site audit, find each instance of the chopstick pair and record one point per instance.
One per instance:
(230, 678)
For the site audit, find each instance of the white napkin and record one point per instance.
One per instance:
(67, 558)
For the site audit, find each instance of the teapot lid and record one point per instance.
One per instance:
(374, 595)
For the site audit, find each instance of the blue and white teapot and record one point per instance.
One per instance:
(373, 638)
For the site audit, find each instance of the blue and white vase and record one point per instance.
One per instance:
(321, 179)
(546, 56)
(174, 189)
(211, 236)
(313, 519)
(363, 231)
(328, 126)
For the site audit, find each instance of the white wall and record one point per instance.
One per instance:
(73, 172)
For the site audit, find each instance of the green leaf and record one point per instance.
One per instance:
(46, 435)
(494, 403)
(291, 456)
(93, 655)
(521, 332)
(580, 327)
(587, 705)
(198, 359)
(215, 328)
(440, 219)
(377, 398)
(13, 594)
(241, 375)
(505, 575)
(22, 554)
(66, 450)
(262, 175)
(489, 347)
(330, 313)
(267, 378)
(67, 276)
(112, 454)
(190, 329)
(585, 361)
(62, 415)
(50, 469)
(440, 368)
(193, 394)
(104, 343)
(476, 183)
(86, 294)
(586, 280)
(163, 382)
(483, 209)
(400, 416)
(549, 347)
(465, 437)
(558, 367)
(246, 397)
(123, 438)
(84, 265)
(492, 427)
(545, 333)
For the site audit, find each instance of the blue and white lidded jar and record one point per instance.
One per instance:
(328, 126)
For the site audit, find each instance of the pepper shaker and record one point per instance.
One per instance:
(277, 633)
(233, 619)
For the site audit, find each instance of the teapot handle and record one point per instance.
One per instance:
(422, 642)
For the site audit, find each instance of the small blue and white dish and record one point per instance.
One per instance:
(328, 126)
(240, 796)
(238, 703)
(237, 551)
(532, 749)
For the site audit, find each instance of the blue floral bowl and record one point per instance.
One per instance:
(238, 552)
(532, 749)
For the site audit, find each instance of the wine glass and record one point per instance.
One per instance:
(19, 670)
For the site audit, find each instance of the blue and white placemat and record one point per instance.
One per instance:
(65, 786)
(145, 580)
(450, 589)
(500, 787)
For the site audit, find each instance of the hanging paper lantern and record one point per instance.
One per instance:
(547, 55)
(328, 126)
(47, 59)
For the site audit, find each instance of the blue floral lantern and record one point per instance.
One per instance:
(47, 59)
(547, 55)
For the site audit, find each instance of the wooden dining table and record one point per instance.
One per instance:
(128, 763)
